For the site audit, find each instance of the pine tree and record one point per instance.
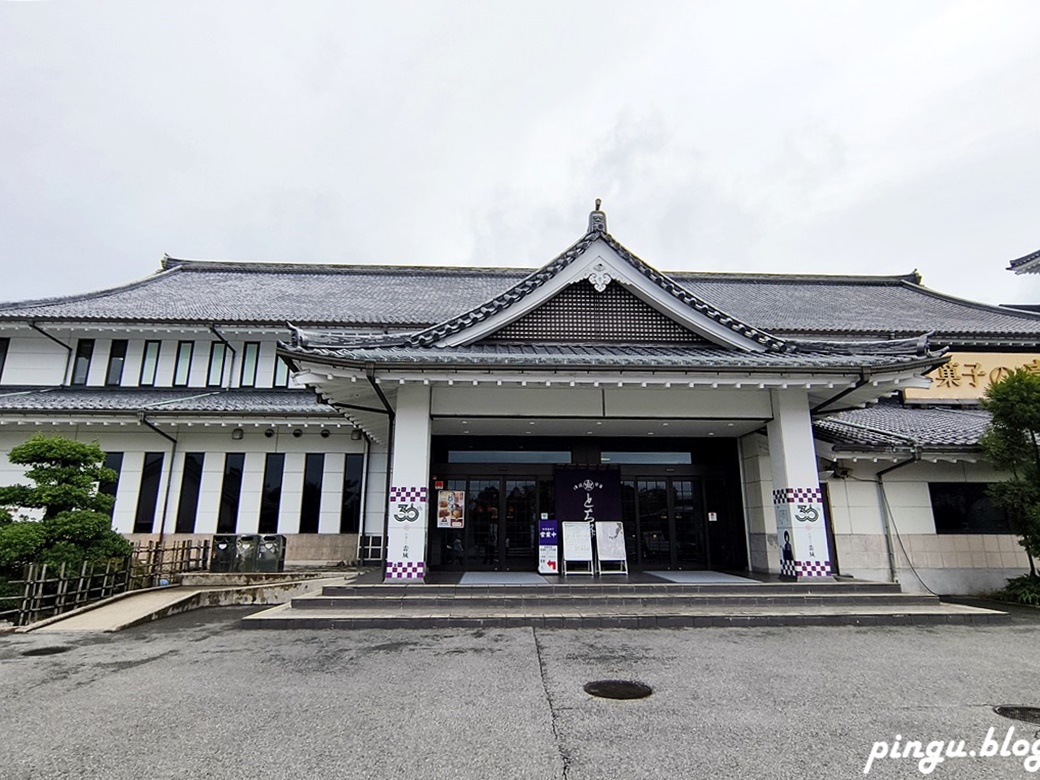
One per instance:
(1012, 443)
(75, 526)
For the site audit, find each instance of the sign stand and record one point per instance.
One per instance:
(548, 548)
(610, 547)
(577, 549)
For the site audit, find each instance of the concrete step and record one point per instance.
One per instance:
(613, 601)
(597, 589)
(604, 616)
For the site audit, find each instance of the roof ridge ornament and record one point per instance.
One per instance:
(599, 276)
(597, 219)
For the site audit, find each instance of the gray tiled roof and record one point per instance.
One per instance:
(694, 357)
(420, 297)
(162, 401)
(522, 289)
(888, 426)
(840, 307)
(1026, 263)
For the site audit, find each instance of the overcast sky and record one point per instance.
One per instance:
(811, 137)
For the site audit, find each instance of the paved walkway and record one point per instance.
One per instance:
(141, 607)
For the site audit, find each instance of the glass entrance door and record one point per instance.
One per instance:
(665, 523)
(521, 525)
(655, 527)
(501, 526)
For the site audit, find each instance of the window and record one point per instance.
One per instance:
(646, 457)
(150, 363)
(281, 373)
(81, 366)
(310, 505)
(250, 359)
(350, 511)
(148, 494)
(217, 358)
(116, 359)
(509, 456)
(4, 344)
(191, 481)
(114, 461)
(182, 368)
(271, 498)
(230, 493)
(965, 508)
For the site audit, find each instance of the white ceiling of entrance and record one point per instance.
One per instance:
(545, 426)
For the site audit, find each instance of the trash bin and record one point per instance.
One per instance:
(270, 554)
(245, 555)
(225, 548)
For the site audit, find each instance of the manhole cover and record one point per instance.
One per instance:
(618, 689)
(46, 650)
(1025, 714)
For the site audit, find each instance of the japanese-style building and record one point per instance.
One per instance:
(419, 418)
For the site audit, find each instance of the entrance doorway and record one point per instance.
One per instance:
(665, 524)
(501, 524)
(681, 505)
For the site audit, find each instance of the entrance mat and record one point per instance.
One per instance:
(703, 578)
(502, 578)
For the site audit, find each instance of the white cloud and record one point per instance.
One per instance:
(867, 137)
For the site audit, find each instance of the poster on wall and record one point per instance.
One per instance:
(406, 533)
(801, 534)
(451, 509)
(610, 542)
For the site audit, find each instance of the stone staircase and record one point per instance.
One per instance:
(621, 605)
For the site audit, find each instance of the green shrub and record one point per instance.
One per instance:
(1022, 590)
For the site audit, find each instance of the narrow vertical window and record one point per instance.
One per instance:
(116, 359)
(4, 344)
(191, 481)
(217, 357)
(310, 505)
(281, 373)
(114, 461)
(230, 493)
(271, 498)
(350, 512)
(250, 359)
(150, 363)
(148, 494)
(80, 368)
(182, 368)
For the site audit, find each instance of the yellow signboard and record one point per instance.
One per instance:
(968, 374)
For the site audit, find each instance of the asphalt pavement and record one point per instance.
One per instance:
(195, 696)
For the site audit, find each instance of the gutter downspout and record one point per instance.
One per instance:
(234, 354)
(915, 456)
(370, 372)
(883, 499)
(66, 347)
(364, 496)
(141, 418)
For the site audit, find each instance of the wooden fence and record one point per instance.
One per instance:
(44, 591)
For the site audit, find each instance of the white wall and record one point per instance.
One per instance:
(134, 441)
(33, 359)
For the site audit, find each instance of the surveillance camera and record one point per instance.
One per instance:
(297, 433)
(269, 433)
(325, 433)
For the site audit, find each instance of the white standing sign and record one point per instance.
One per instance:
(610, 541)
(577, 545)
